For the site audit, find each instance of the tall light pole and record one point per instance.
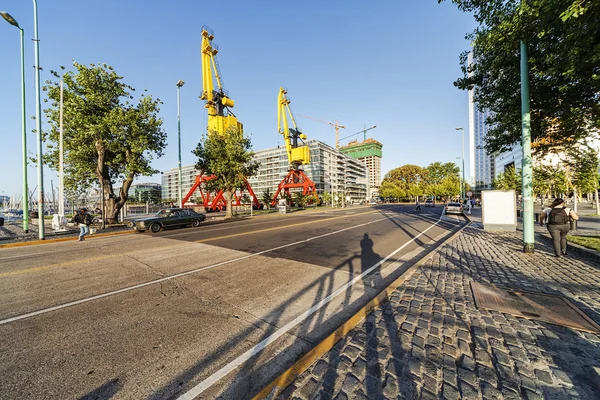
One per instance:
(527, 166)
(462, 185)
(38, 120)
(13, 22)
(180, 83)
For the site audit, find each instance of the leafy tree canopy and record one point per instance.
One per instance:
(229, 158)
(108, 135)
(563, 42)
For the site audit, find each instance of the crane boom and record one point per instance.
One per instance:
(297, 155)
(334, 124)
(218, 102)
(364, 131)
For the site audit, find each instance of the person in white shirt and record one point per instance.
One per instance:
(557, 218)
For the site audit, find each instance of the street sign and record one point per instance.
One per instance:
(469, 194)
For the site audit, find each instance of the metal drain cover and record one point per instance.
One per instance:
(555, 310)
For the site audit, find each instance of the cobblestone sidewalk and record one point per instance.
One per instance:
(430, 341)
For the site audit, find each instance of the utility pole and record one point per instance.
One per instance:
(13, 22)
(180, 83)
(38, 120)
(462, 184)
(527, 166)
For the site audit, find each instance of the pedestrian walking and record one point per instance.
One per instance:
(84, 220)
(557, 218)
(418, 205)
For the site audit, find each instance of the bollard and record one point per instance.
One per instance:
(573, 225)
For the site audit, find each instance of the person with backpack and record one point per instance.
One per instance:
(84, 220)
(558, 220)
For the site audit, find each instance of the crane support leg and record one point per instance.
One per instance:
(295, 179)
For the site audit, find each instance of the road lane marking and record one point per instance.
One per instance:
(241, 223)
(211, 380)
(320, 349)
(104, 257)
(275, 228)
(153, 282)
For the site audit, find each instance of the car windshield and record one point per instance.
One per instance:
(163, 213)
(453, 204)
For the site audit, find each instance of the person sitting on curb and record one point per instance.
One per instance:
(558, 217)
(84, 220)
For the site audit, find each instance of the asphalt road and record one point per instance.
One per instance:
(214, 311)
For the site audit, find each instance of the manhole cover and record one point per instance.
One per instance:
(542, 307)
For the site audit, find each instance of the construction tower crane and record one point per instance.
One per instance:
(364, 131)
(334, 124)
(220, 120)
(297, 154)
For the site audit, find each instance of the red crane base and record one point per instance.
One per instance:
(217, 202)
(295, 179)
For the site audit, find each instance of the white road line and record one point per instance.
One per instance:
(208, 382)
(141, 285)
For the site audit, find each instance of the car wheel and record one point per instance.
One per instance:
(196, 223)
(155, 227)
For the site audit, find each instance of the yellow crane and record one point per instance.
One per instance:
(218, 102)
(220, 119)
(334, 124)
(298, 154)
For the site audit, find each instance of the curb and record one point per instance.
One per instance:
(63, 239)
(280, 383)
(575, 248)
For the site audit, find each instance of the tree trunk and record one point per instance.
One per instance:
(228, 194)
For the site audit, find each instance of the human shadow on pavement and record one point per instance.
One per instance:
(105, 391)
(317, 325)
(489, 331)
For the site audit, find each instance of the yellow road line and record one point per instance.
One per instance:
(293, 372)
(279, 227)
(81, 261)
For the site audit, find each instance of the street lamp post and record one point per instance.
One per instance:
(180, 83)
(13, 22)
(462, 185)
(38, 120)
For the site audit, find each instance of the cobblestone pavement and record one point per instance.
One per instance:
(430, 341)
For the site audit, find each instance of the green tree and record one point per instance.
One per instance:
(435, 174)
(300, 199)
(326, 197)
(108, 135)
(267, 198)
(229, 158)
(562, 41)
(510, 179)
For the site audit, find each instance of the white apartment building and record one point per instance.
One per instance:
(170, 182)
(330, 170)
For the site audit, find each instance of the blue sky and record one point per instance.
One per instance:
(389, 63)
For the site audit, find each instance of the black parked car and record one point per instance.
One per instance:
(168, 217)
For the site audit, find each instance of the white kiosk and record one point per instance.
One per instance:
(499, 210)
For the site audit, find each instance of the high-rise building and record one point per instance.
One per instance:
(330, 170)
(512, 158)
(481, 165)
(369, 152)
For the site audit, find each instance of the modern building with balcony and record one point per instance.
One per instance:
(369, 153)
(170, 182)
(330, 170)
